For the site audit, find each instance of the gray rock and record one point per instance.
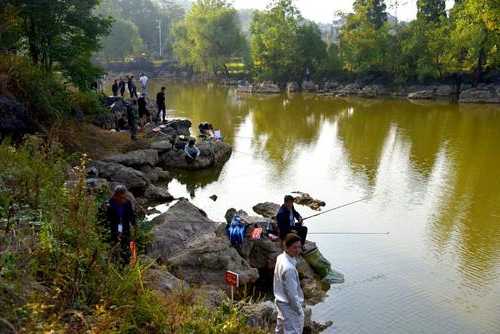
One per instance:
(480, 95)
(260, 315)
(159, 279)
(371, 91)
(444, 91)
(426, 94)
(212, 153)
(292, 87)
(207, 258)
(174, 228)
(309, 86)
(158, 194)
(266, 209)
(133, 179)
(162, 146)
(136, 159)
(267, 88)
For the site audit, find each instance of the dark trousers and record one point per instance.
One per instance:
(300, 230)
(164, 115)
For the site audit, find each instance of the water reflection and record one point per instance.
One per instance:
(433, 170)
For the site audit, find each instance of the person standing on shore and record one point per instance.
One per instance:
(144, 83)
(132, 89)
(143, 110)
(160, 103)
(286, 220)
(121, 85)
(121, 219)
(289, 298)
(114, 88)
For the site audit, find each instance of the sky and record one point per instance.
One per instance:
(323, 10)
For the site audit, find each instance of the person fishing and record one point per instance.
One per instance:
(289, 297)
(192, 152)
(121, 219)
(286, 220)
(114, 88)
(160, 103)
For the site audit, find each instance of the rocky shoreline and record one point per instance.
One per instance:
(482, 93)
(188, 249)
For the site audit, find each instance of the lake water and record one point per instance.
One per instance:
(431, 169)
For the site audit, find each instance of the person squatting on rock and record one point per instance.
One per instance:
(192, 152)
(120, 217)
(160, 103)
(286, 220)
(132, 119)
(289, 298)
(115, 88)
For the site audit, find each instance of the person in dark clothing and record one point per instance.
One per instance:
(132, 119)
(114, 88)
(160, 103)
(120, 217)
(143, 110)
(132, 89)
(121, 85)
(192, 152)
(286, 220)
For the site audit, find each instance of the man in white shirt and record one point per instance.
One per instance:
(288, 294)
(144, 83)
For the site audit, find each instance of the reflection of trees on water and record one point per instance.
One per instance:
(466, 217)
(289, 126)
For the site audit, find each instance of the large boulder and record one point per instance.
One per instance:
(161, 146)
(266, 209)
(158, 278)
(292, 87)
(133, 179)
(136, 159)
(207, 258)
(14, 120)
(212, 153)
(268, 88)
(371, 91)
(348, 90)
(481, 94)
(426, 94)
(175, 228)
(157, 194)
(309, 86)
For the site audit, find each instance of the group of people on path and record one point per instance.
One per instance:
(118, 86)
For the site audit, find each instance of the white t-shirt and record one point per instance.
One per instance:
(143, 80)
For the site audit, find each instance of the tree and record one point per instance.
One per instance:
(62, 32)
(374, 10)
(431, 10)
(209, 36)
(123, 41)
(476, 35)
(283, 44)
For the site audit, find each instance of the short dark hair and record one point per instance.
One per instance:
(191, 142)
(289, 198)
(290, 239)
(163, 88)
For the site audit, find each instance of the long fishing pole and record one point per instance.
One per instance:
(337, 207)
(353, 233)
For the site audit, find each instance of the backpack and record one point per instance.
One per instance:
(236, 231)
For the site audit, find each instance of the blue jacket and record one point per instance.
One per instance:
(283, 218)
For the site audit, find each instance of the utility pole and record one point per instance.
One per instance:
(159, 33)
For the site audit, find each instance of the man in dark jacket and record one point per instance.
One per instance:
(121, 85)
(115, 87)
(286, 220)
(121, 218)
(160, 103)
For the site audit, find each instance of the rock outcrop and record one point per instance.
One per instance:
(136, 159)
(133, 179)
(212, 153)
(481, 94)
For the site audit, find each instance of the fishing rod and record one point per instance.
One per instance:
(353, 233)
(337, 207)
